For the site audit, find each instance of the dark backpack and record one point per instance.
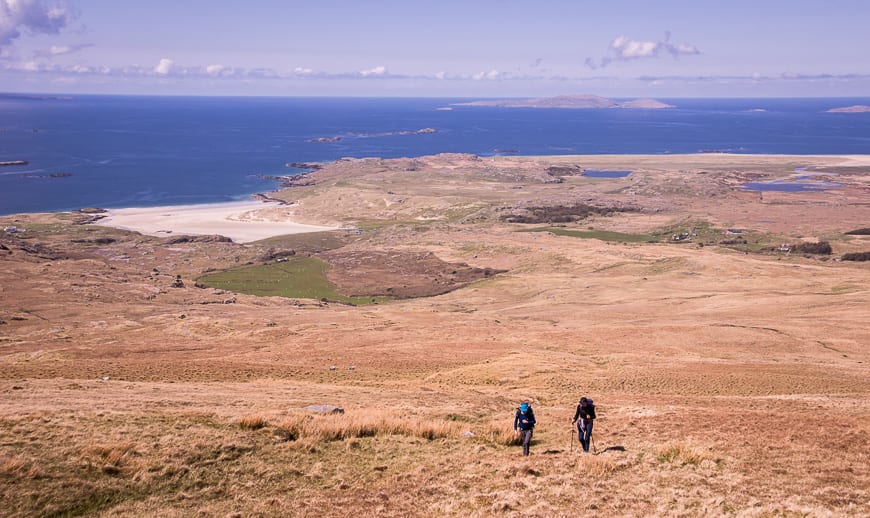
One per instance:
(590, 408)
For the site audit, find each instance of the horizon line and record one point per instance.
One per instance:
(60, 95)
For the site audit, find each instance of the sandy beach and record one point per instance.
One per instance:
(241, 221)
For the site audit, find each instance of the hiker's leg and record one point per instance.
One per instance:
(527, 440)
(588, 436)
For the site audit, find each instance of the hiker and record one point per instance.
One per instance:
(584, 417)
(524, 423)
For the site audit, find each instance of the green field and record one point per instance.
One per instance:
(298, 277)
(601, 235)
(311, 242)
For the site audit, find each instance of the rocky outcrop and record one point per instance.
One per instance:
(562, 213)
(351, 134)
(324, 409)
(858, 108)
(311, 166)
(277, 255)
(570, 102)
(215, 238)
(297, 180)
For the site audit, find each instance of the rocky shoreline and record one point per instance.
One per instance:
(350, 134)
(574, 102)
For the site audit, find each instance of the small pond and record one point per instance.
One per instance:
(602, 173)
(811, 182)
(780, 186)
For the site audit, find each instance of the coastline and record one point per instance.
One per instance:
(264, 217)
(241, 221)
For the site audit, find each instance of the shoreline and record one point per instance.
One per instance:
(262, 217)
(241, 221)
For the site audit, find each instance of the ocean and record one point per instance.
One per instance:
(128, 151)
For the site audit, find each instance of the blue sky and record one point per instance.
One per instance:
(629, 48)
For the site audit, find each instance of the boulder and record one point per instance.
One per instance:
(324, 409)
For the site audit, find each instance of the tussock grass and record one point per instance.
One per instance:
(682, 454)
(500, 435)
(595, 467)
(253, 422)
(17, 468)
(112, 458)
(315, 428)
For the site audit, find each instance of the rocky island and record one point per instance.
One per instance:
(858, 108)
(351, 134)
(570, 102)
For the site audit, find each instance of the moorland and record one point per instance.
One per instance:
(722, 333)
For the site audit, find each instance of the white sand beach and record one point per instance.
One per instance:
(242, 221)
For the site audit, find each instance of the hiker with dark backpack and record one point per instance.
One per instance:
(584, 417)
(524, 424)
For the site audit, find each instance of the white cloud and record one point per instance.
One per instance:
(624, 48)
(164, 67)
(379, 71)
(60, 50)
(682, 48)
(34, 16)
(218, 70)
(491, 75)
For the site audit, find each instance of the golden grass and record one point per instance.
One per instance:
(396, 463)
(19, 467)
(682, 454)
(253, 422)
(499, 434)
(727, 384)
(112, 458)
(325, 428)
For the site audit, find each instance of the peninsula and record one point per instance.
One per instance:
(570, 102)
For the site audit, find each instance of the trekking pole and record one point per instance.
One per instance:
(571, 440)
(594, 449)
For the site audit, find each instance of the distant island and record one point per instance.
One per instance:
(570, 101)
(858, 108)
(423, 131)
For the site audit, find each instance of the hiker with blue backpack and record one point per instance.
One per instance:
(524, 424)
(584, 417)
